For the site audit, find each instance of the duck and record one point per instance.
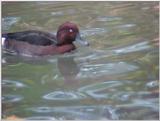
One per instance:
(39, 43)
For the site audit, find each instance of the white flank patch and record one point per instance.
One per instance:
(3, 41)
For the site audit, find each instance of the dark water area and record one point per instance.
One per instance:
(116, 77)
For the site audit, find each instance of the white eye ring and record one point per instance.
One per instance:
(70, 30)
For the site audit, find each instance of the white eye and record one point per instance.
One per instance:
(70, 30)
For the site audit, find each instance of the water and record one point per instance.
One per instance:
(115, 78)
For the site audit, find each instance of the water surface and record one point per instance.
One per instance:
(115, 78)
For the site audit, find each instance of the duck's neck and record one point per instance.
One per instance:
(66, 48)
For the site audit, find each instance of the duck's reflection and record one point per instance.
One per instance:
(68, 69)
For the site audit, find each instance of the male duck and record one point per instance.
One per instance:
(39, 43)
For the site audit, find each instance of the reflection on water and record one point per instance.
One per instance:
(11, 98)
(9, 83)
(41, 118)
(137, 47)
(58, 95)
(79, 112)
(9, 21)
(115, 78)
(105, 69)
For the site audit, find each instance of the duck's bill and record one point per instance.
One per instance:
(81, 40)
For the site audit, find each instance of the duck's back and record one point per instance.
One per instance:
(32, 37)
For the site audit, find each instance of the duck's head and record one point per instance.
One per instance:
(68, 33)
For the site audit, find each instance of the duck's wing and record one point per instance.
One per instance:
(32, 37)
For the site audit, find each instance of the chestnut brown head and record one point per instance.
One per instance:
(69, 32)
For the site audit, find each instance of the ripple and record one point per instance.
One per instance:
(93, 31)
(64, 96)
(11, 98)
(91, 71)
(41, 118)
(77, 112)
(135, 112)
(3, 61)
(147, 95)
(101, 86)
(52, 60)
(132, 95)
(152, 84)
(95, 55)
(146, 103)
(11, 83)
(7, 22)
(108, 18)
(41, 109)
(94, 90)
(110, 113)
(122, 96)
(58, 13)
(126, 26)
(133, 48)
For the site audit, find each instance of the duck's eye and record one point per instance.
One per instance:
(70, 30)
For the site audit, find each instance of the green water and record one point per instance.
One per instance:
(116, 77)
